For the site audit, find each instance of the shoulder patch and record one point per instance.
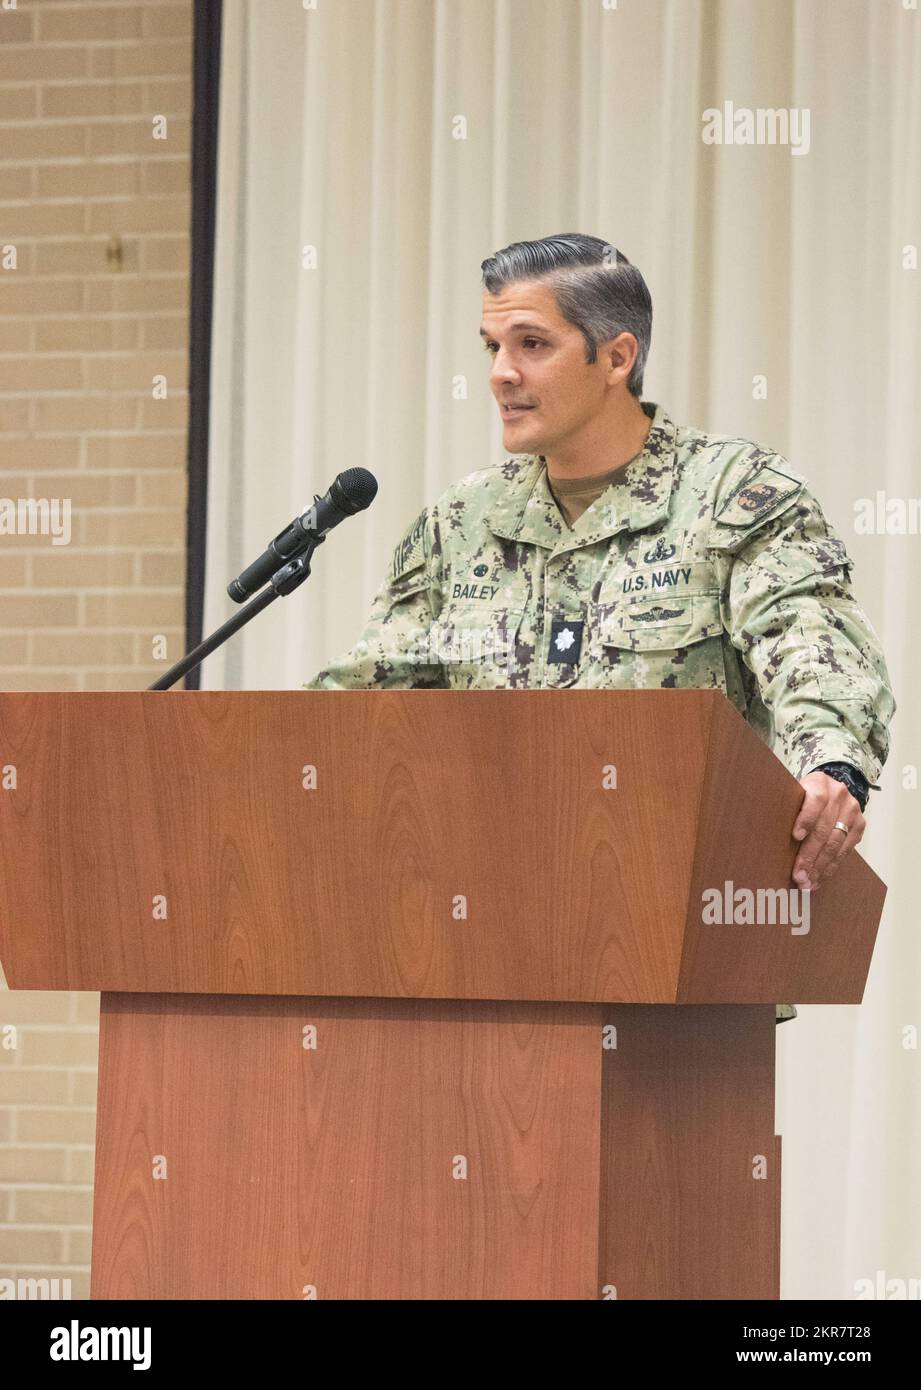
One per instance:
(757, 495)
(410, 553)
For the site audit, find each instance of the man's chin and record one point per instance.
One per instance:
(521, 439)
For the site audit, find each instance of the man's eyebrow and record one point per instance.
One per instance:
(514, 327)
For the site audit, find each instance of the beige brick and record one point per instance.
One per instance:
(34, 1006)
(24, 251)
(18, 26)
(29, 541)
(165, 253)
(169, 414)
(134, 293)
(38, 455)
(32, 1165)
(14, 416)
(81, 1164)
(34, 610)
(17, 103)
(15, 336)
(12, 570)
(92, 489)
(92, 99)
(50, 1207)
(136, 677)
(38, 680)
(6, 1126)
(14, 651)
(167, 489)
(142, 60)
(90, 179)
(31, 1247)
(83, 23)
(164, 214)
(85, 413)
(164, 176)
(70, 1126)
(135, 371)
(34, 1086)
(85, 1007)
(166, 570)
(87, 334)
(61, 1046)
(136, 137)
(62, 570)
(51, 297)
(137, 451)
(82, 649)
(164, 528)
(150, 612)
(42, 374)
(168, 96)
(79, 1247)
(41, 60)
(170, 647)
(41, 220)
(23, 142)
(83, 1087)
(168, 21)
(79, 1283)
(85, 257)
(17, 183)
(167, 331)
(38, 610)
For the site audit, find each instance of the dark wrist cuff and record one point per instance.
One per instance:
(853, 779)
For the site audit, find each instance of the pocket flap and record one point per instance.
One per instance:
(665, 623)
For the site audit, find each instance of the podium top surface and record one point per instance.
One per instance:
(621, 846)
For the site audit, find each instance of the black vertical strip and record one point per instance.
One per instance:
(205, 91)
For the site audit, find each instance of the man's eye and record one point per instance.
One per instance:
(491, 347)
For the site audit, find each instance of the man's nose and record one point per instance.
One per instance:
(503, 370)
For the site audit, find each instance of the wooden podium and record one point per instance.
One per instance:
(410, 994)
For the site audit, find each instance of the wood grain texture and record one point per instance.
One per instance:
(573, 892)
(687, 1118)
(738, 841)
(334, 1167)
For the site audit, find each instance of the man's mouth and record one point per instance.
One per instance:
(510, 410)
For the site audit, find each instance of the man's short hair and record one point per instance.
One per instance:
(597, 290)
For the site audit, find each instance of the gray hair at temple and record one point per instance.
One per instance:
(597, 290)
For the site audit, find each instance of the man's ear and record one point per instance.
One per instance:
(620, 353)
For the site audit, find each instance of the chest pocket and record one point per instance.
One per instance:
(662, 643)
(652, 624)
(475, 643)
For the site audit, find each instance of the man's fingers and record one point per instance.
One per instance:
(836, 847)
(809, 814)
(824, 844)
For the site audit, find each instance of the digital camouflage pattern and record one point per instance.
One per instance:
(708, 564)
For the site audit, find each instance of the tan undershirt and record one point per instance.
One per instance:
(575, 495)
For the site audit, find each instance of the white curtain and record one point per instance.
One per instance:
(405, 141)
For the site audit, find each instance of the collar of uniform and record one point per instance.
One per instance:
(527, 510)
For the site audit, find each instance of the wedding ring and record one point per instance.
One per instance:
(839, 825)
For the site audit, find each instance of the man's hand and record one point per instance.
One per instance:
(823, 846)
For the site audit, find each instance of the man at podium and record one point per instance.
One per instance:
(618, 549)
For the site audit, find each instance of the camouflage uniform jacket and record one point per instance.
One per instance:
(709, 564)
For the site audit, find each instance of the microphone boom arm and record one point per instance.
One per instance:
(282, 583)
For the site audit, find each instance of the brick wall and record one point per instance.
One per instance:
(94, 250)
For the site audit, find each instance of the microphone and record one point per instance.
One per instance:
(350, 492)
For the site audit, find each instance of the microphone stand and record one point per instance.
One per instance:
(282, 583)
